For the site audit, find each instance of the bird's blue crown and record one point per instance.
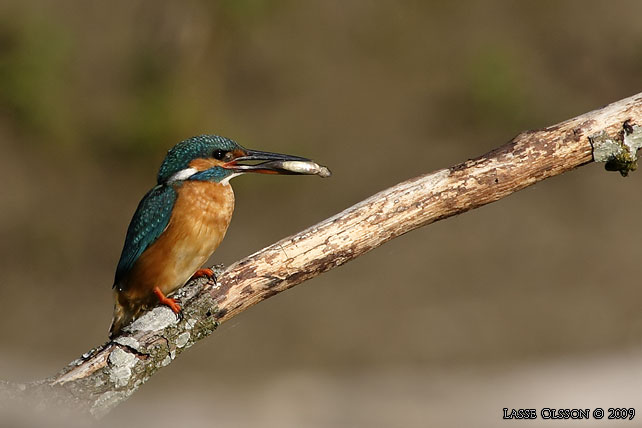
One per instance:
(202, 146)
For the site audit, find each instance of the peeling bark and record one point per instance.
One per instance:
(107, 375)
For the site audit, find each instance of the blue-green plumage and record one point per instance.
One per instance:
(149, 221)
(213, 174)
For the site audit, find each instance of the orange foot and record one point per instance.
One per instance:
(205, 272)
(168, 301)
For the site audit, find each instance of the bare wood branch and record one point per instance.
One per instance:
(109, 374)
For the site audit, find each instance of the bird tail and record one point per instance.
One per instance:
(123, 315)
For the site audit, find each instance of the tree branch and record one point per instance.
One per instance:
(107, 375)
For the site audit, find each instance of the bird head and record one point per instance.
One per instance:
(215, 158)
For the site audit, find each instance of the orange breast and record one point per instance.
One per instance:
(199, 220)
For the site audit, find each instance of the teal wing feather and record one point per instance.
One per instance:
(149, 221)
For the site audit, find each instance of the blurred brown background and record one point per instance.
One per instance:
(530, 302)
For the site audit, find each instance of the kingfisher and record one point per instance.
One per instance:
(181, 221)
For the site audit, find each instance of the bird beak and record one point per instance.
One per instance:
(264, 162)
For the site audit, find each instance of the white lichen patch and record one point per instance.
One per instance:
(182, 339)
(633, 140)
(166, 361)
(121, 363)
(605, 148)
(190, 324)
(157, 319)
(128, 341)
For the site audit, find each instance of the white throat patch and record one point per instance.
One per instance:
(227, 179)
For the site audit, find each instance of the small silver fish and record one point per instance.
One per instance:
(300, 167)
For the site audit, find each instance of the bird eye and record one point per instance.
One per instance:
(218, 154)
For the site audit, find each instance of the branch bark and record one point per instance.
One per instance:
(107, 375)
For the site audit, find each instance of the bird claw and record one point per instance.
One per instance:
(175, 307)
(170, 302)
(204, 272)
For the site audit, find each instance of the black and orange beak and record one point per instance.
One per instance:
(262, 162)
